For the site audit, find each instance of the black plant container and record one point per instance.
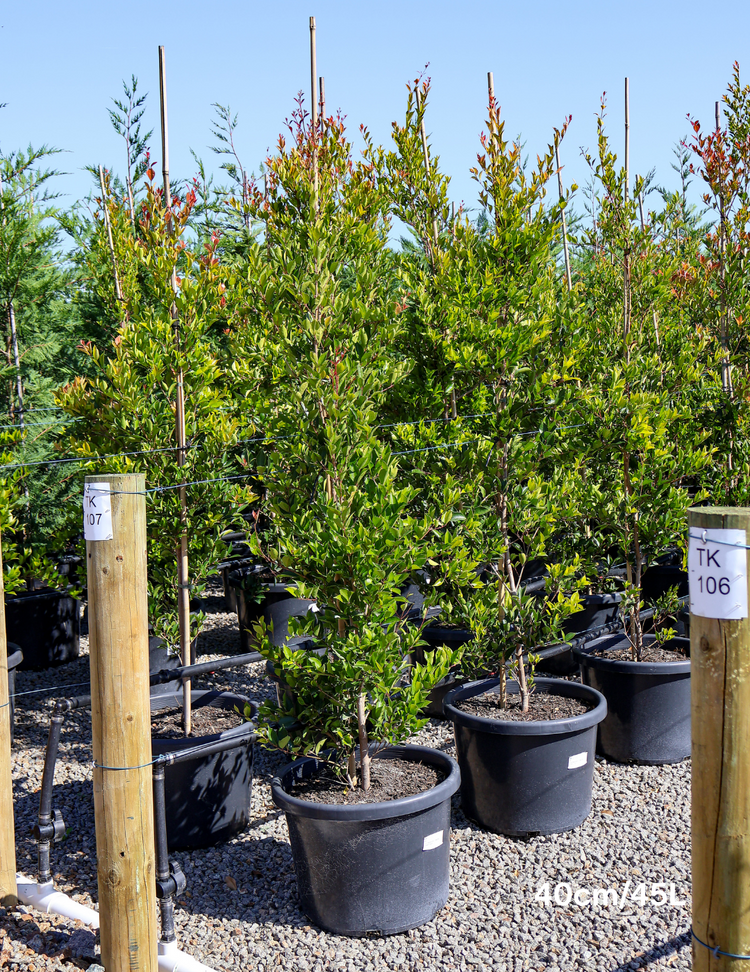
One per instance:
(160, 660)
(375, 868)
(208, 797)
(15, 657)
(526, 778)
(45, 625)
(648, 718)
(598, 610)
(438, 636)
(251, 607)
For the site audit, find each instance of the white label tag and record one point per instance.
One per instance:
(97, 511)
(580, 759)
(433, 841)
(718, 573)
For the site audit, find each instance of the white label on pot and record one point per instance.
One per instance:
(433, 841)
(580, 759)
(97, 511)
(717, 568)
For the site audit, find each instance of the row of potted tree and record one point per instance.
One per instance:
(450, 416)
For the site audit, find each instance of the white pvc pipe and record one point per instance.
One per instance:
(44, 898)
(171, 959)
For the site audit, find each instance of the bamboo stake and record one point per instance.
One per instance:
(726, 369)
(108, 224)
(643, 230)
(183, 577)
(121, 730)
(8, 889)
(426, 154)
(626, 255)
(720, 729)
(14, 342)
(314, 113)
(568, 278)
(322, 109)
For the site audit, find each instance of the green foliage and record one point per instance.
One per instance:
(171, 320)
(317, 342)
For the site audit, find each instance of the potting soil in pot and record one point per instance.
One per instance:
(541, 707)
(389, 780)
(205, 721)
(650, 653)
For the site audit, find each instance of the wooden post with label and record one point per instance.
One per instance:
(8, 889)
(115, 531)
(720, 713)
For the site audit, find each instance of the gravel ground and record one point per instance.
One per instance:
(240, 908)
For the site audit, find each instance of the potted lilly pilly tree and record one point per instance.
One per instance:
(368, 817)
(525, 746)
(172, 314)
(644, 449)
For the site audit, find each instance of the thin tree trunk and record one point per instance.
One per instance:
(364, 746)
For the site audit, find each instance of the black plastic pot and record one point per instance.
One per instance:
(598, 610)
(526, 778)
(374, 868)
(45, 625)
(160, 660)
(252, 606)
(658, 579)
(437, 636)
(208, 797)
(648, 718)
(15, 657)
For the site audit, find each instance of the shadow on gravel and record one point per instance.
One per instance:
(660, 951)
(254, 882)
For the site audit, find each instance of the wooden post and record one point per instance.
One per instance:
(314, 108)
(183, 574)
(8, 889)
(720, 691)
(121, 728)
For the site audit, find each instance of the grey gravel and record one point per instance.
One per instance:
(240, 907)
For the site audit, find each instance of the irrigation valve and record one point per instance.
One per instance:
(717, 568)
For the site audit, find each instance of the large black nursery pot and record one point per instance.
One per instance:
(45, 625)
(207, 797)
(526, 778)
(597, 610)
(15, 657)
(374, 868)
(648, 718)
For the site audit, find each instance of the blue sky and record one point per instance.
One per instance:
(60, 65)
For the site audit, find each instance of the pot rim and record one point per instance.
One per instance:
(584, 657)
(540, 727)
(400, 807)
